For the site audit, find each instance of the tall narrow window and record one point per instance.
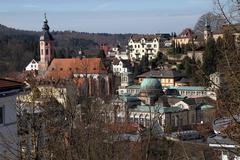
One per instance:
(46, 51)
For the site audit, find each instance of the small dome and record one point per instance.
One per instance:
(151, 84)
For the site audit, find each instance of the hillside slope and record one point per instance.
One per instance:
(18, 47)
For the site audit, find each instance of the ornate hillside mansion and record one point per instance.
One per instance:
(140, 46)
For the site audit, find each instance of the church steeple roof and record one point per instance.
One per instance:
(207, 26)
(45, 23)
(46, 35)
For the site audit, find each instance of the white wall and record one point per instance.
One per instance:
(140, 48)
(119, 68)
(8, 129)
(32, 66)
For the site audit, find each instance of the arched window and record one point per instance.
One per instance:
(147, 120)
(141, 119)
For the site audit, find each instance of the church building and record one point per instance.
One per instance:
(89, 74)
(46, 48)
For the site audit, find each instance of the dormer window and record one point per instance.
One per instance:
(52, 69)
(61, 69)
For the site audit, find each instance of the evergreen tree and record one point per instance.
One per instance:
(144, 64)
(102, 54)
(210, 57)
(136, 70)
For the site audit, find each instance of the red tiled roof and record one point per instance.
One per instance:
(64, 68)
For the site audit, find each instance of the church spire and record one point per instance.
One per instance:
(46, 47)
(45, 23)
(207, 31)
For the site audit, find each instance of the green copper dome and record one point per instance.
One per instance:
(151, 84)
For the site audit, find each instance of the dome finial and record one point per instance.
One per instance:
(45, 18)
(45, 23)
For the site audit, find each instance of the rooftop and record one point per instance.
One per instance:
(146, 37)
(134, 87)
(158, 109)
(189, 88)
(9, 87)
(161, 74)
(64, 68)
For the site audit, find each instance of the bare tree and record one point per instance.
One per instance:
(215, 22)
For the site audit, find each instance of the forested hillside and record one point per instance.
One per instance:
(18, 47)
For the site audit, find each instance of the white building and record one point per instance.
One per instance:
(140, 46)
(121, 66)
(117, 53)
(32, 66)
(192, 91)
(215, 80)
(9, 148)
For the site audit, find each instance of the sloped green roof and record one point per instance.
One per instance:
(127, 98)
(206, 106)
(189, 88)
(134, 87)
(160, 109)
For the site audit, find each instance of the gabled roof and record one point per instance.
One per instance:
(9, 87)
(161, 74)
(64, 68)
(186, 33)
(146, 37)
(5, 84)
(33, 61)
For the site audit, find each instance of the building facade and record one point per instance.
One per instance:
(184, 38)
(166, 77)
(155, 108)
(9, 147)
(142, 46)
(32, 66)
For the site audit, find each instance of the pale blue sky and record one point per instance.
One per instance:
(108, 16)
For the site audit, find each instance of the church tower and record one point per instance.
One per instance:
(207, 32)
(46, 47)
